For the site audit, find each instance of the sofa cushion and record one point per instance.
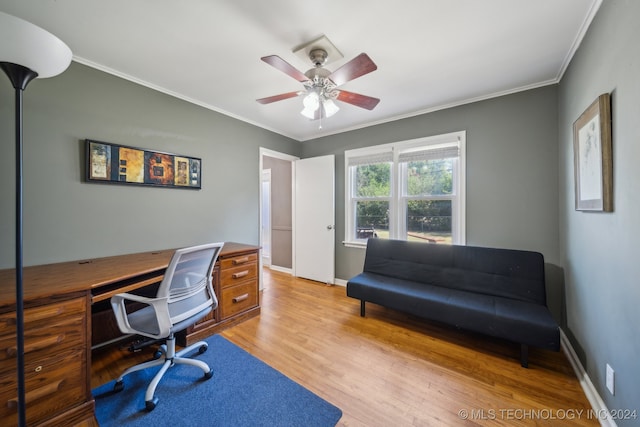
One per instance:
(515, 320)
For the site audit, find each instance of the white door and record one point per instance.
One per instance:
(315, 218)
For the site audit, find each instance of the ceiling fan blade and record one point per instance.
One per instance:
(358, 100)
(274, 98)
(358, 66)
(285, 67)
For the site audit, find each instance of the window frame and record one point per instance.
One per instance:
(398, 197)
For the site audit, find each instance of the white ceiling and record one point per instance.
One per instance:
(430, 54)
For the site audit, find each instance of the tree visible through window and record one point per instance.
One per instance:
(373, 190)
(410, 190)
(428, 216)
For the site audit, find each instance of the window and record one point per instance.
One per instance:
(410, 190)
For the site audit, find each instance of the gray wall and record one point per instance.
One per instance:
(68, 219)
(512, 170)
(599, 250)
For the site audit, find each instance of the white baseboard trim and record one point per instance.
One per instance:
(340, 282)
(600, 410)
(280, 269)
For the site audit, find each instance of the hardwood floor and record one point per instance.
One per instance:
(391, 369)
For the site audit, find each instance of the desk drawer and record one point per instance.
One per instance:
(48, 328)
(236, 299)
(52, 385)
(233, 275)
(38, 317)
(238, 260)
(59, 335)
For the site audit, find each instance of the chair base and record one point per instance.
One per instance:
(170, 359)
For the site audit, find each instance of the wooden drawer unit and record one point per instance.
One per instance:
(235, 282)
(238, 280)
(56, 361)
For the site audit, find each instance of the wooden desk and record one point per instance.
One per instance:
(58, 299)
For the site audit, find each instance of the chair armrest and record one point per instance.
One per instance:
(160, 308)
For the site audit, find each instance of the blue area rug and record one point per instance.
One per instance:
(244, 391)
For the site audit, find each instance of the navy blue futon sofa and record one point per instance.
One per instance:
(498, 292)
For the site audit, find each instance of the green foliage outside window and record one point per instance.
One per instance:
(423, 179)
(432, 177)
(429, 178)
(373, 180)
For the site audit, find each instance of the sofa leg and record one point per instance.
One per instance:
(361, 308)
(524, 355)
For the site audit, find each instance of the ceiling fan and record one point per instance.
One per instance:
(321, 85)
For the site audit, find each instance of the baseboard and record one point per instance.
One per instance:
(280, 269)
(599, 408)
(340, 282)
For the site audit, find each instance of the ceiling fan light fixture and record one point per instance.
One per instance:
(321, 85)
(330, 107)
(311, 104)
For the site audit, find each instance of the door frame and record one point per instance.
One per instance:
(265, 152)
(265, 235)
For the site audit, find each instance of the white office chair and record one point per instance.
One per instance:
(185, 296)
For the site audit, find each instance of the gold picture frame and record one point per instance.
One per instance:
(592, 157)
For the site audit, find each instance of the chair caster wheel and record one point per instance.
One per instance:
(151, 404)
(208, 375)
(157, 354)
(118, 386)
(203, 348)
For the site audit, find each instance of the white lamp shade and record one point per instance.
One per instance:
(25, 44)
(330, 107)
(311, 104)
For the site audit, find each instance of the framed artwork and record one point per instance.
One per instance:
(592, 157)
(119, 164)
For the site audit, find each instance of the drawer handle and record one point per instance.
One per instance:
(37, 345)
(240, 298)
(240, 274)
(238, 261)
(36, 394)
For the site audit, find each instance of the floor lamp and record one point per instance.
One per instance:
(26, 52)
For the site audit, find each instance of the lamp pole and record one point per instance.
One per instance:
(26, 52)
(20, 77)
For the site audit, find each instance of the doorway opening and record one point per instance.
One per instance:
(276, 210)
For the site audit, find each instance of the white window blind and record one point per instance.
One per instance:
(384, 157)
(447, 152)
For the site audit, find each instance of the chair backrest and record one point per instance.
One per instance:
(187, 282)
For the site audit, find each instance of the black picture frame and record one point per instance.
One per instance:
(121, 164)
